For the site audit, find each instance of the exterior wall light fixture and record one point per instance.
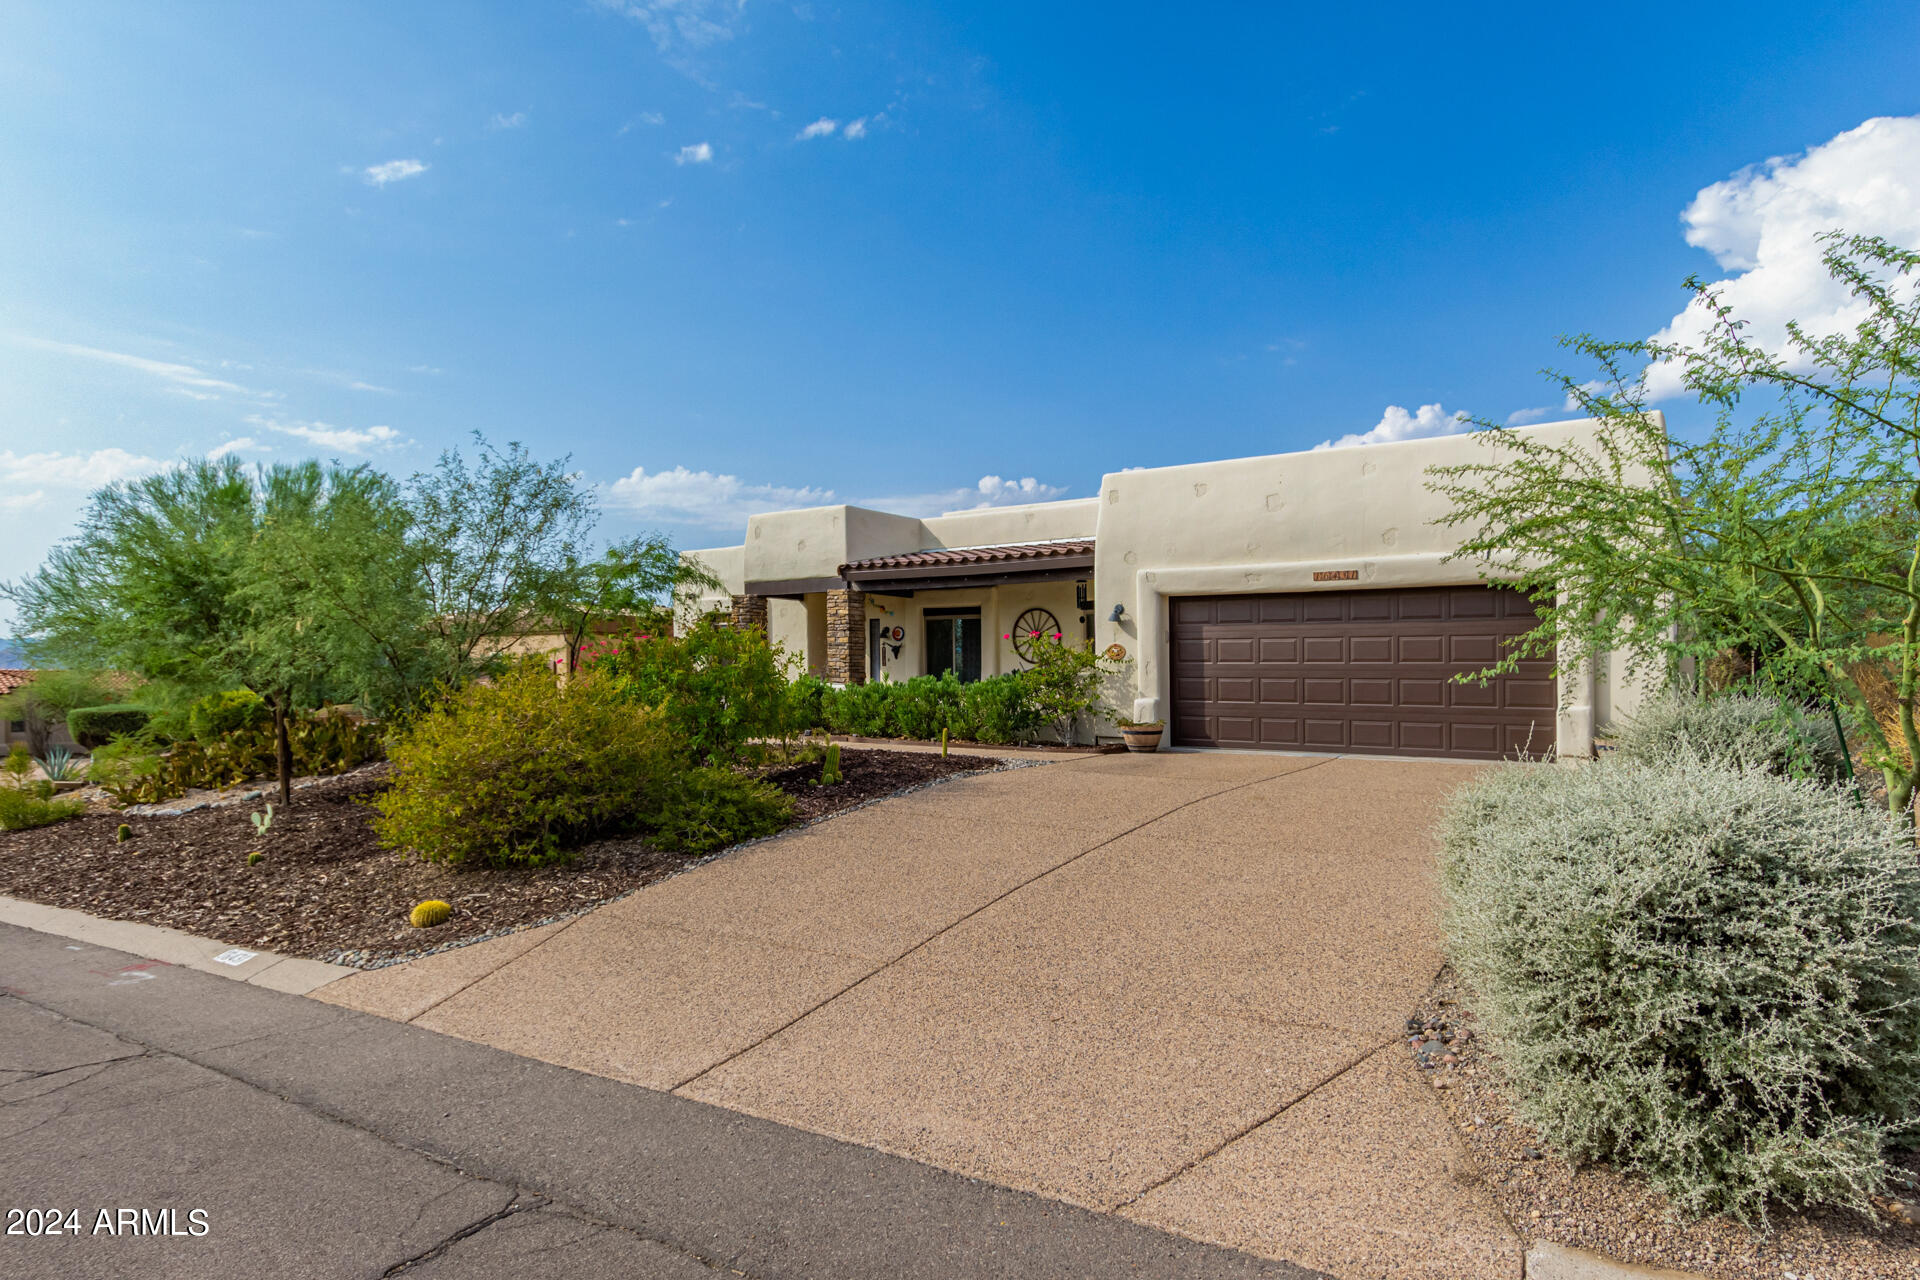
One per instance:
(1119, 612)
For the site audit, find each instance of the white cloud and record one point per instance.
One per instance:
(991, 491)
(694, 24)
(1525, 417)
(357, 385)
(240, 444)
(821, 128)
(74, 470)
(855, 129)
(1761, 224)
(379, 175)
(697, 153)
(681, 496)
(327, 436)
(1398, 424)
(513, 121)
(186, 377)
(427, 369)
(21, 501)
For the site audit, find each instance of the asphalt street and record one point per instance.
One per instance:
(159, 1122)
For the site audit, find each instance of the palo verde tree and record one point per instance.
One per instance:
(1791, 531)
(491, 538)
(633, 583)
(296, 582)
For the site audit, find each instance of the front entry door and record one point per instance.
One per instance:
(953, 642)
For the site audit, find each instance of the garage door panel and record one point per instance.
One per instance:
(1324, 692)
(1279, 731)
(1279, 691)
(1234, 649)
(1324, 733)
(1370, 649)
(1475, 695)
(1423, 737)
(1368, 671)
(1372, 692)
(1377, 734)
(1230, 689)
(1472, 650)
(1325, 649)
(1279, 649)
(1532, 694)
(1423, 693)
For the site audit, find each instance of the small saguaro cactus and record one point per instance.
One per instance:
(943, 742)
(124, 834)
(429, 913)
(830, 767)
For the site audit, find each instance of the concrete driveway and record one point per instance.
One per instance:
(1169, 987)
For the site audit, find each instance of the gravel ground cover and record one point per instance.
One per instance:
(1619, 1216)
(325, 890)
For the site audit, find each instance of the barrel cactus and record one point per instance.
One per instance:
(124, 834)
(430, 913)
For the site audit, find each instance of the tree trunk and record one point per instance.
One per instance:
(282, 752)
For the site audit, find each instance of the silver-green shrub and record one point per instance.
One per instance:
(1710, 976)
(1739, 729)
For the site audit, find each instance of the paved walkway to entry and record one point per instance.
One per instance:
(1170, 987)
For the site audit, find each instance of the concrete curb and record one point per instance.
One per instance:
(290, 974)
(1561, 1262)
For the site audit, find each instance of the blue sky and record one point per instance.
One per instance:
(739, 256)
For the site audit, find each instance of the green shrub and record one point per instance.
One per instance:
(96, 726)
(707, 809)
(23, 807)
(522, 770)
(1738, 729)
(717, 687)
(1063, 685)
(805, 695)
(19, 764)
(860, 709)
(921, 706)
(997, 710)
(220, 715)
(136, 770)
(1706, 975)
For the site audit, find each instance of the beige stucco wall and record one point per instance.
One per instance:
(1270, 523)
(1263, 524)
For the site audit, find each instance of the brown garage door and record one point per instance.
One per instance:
(1364, 671)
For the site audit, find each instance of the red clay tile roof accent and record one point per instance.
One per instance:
(1014, 553)
(12, 678)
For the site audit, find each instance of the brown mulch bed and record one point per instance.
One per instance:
(1595, 1208)
(326, 889)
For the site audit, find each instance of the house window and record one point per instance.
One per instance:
(953, 642)
(16, 726)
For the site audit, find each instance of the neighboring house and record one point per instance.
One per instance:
(1297, 601)
(12, 731)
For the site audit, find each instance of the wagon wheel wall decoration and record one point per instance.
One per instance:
(1030, 629)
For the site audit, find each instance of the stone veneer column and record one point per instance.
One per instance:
(846, 637)
(750, 611)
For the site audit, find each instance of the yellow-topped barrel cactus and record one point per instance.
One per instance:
(430, 913)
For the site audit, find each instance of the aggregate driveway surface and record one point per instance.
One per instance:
(1168, 987)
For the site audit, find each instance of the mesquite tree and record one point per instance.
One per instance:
(1790, 532)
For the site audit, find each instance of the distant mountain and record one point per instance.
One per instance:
(10, 655)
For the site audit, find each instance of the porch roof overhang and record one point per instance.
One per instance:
(948, 568)
(945, 569)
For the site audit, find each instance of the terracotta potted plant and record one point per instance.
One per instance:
(1142, 736)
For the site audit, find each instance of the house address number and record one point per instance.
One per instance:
(1336, 575)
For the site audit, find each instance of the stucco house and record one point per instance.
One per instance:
(1297, 602)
